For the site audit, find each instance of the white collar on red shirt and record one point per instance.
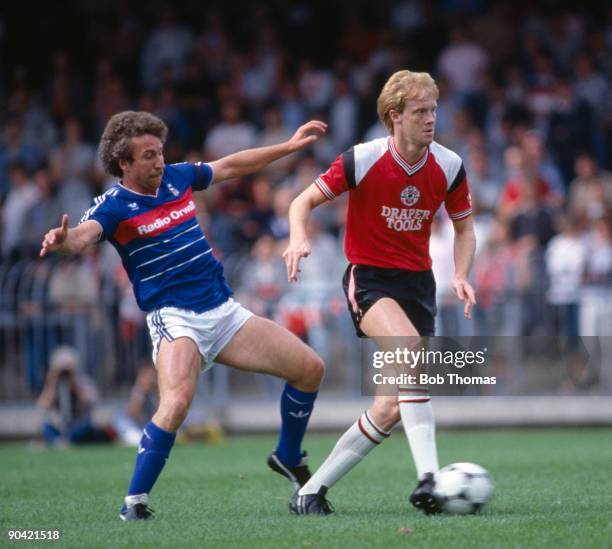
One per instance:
(410, 169)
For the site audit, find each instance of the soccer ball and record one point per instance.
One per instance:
(463, 488)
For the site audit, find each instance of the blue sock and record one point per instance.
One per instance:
(80, 431)
(295, 412)
(153, 452)
(51, 434)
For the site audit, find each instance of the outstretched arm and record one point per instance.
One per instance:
(253, 160)
(45, 400)
(299, 212)
(464, 250)
(70, 241)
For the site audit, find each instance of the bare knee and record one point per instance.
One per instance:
(172, 412)
(385, 413)
(311, 373)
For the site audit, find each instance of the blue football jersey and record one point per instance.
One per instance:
(164, 251)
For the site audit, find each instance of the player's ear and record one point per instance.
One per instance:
(394, 115)
(123, 164)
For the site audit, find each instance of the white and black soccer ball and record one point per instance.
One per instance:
(463, 488)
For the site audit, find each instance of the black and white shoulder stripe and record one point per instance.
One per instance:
(365, 155)
(451, 165)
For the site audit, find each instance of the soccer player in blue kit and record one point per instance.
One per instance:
(149, 216)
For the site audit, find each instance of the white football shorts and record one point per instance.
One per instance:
(210, 331)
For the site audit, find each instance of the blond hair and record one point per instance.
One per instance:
(403, 86)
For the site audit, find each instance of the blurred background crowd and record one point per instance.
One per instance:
(525, 99)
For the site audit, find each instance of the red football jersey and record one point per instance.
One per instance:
(392, 203)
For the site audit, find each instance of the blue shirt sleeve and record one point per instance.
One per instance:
(197, 176)
(204, 174)
(104, 212)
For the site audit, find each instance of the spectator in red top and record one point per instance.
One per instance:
(521, 180)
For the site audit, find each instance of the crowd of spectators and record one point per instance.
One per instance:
(525, 99)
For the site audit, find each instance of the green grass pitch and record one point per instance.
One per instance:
(552, 489)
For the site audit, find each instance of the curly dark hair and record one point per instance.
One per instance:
(116, 141)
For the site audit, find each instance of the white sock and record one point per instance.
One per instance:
(420, 428)
(355, 444)
(137, 498)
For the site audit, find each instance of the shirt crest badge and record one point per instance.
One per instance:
(172, 189)
(410, 196)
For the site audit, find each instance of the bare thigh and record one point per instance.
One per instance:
(265, 347)
(389, 326)
(386, 318)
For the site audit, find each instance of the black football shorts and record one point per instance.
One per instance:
(414, 291)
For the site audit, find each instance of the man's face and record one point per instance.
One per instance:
(145, 170)
(415, 124)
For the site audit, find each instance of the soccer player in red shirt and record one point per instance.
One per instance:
(396, 184)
